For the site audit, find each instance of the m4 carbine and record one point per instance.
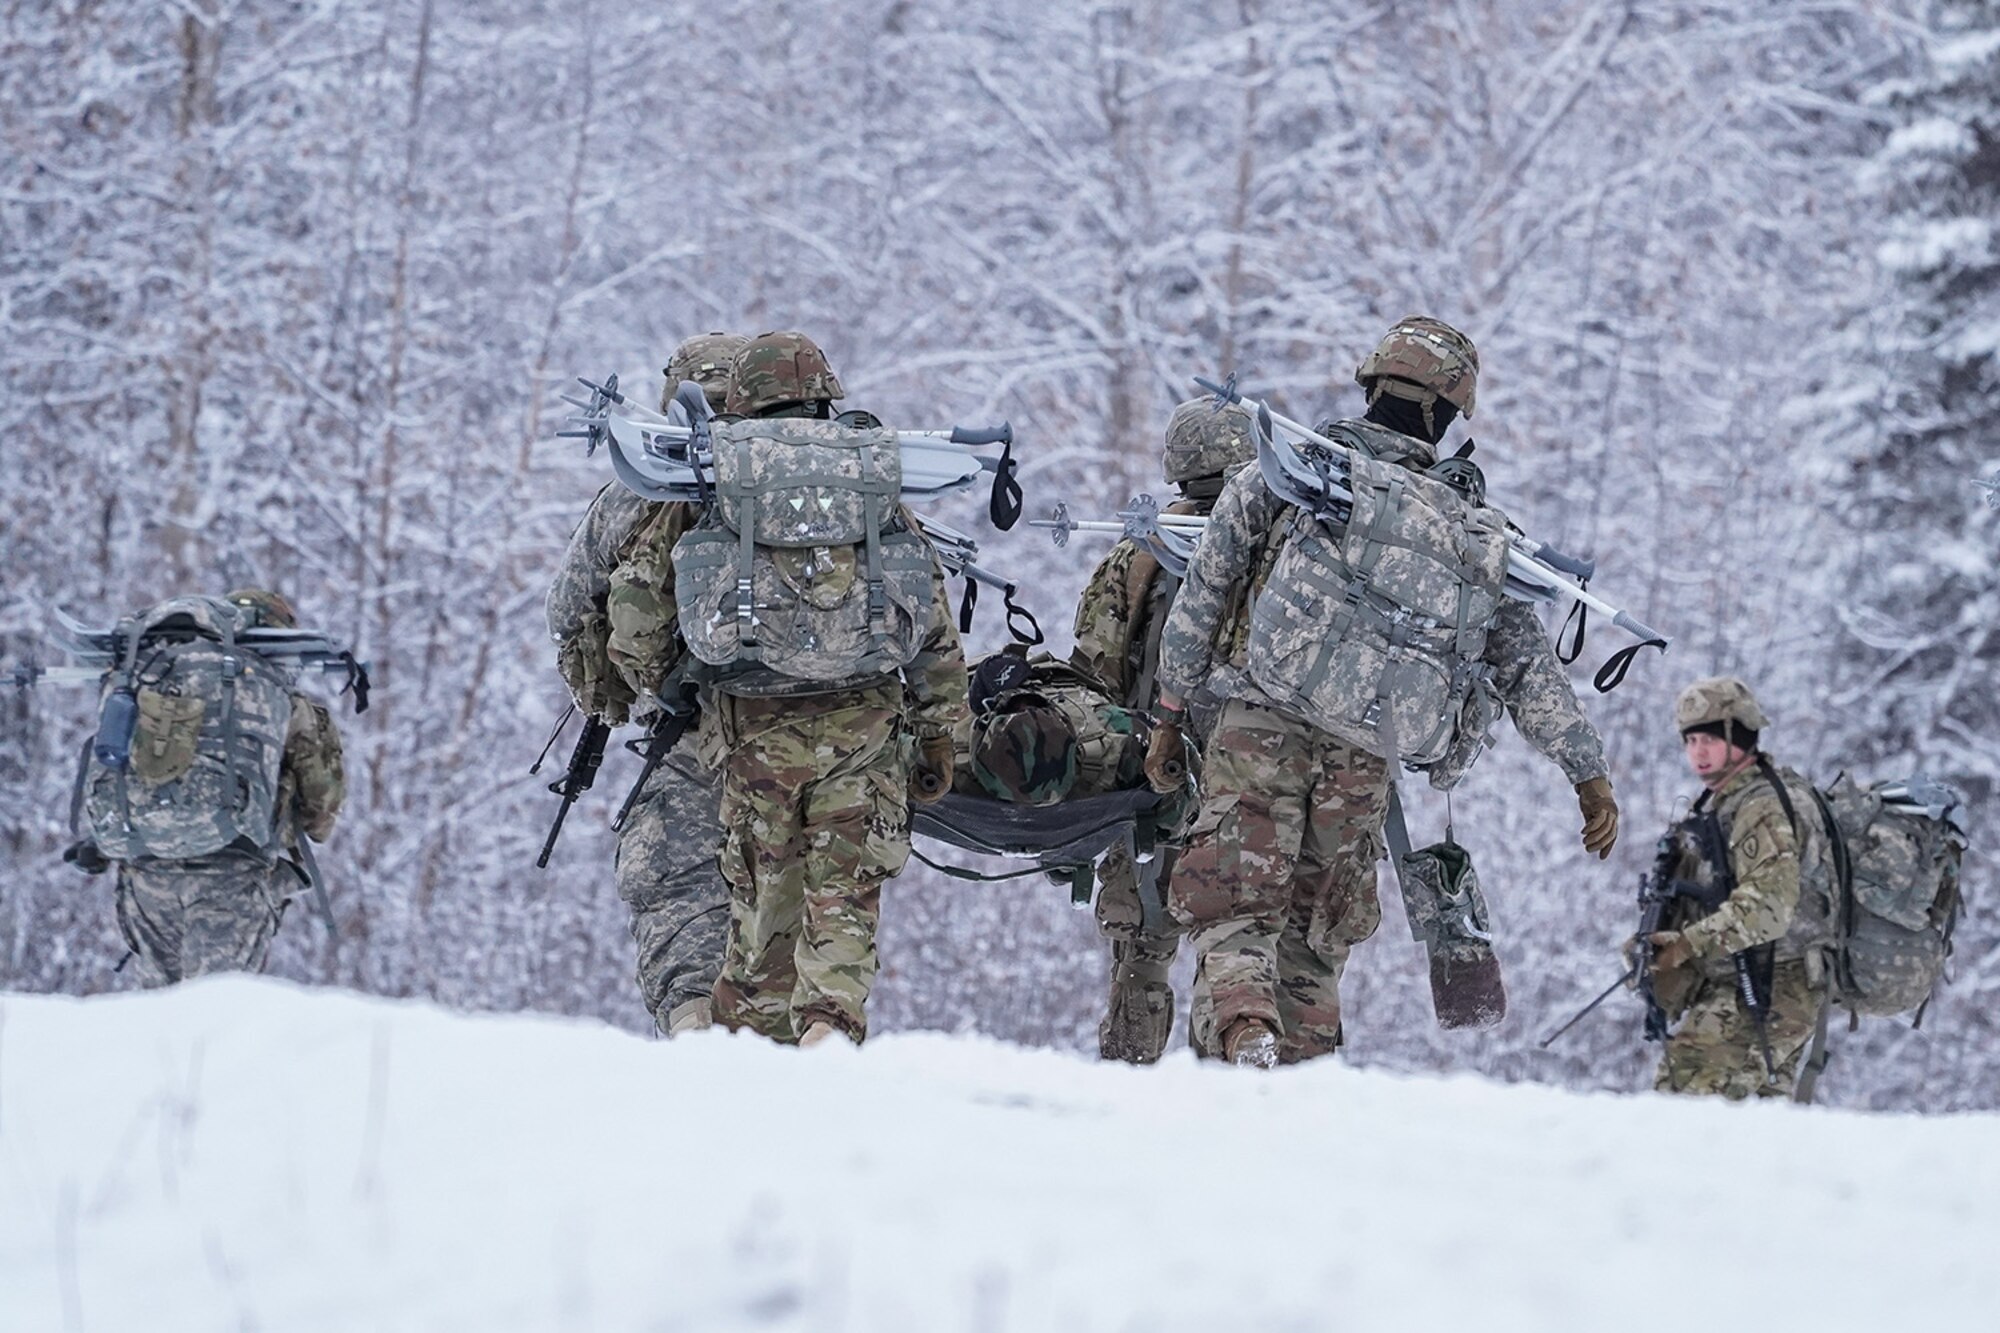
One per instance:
(577, 779)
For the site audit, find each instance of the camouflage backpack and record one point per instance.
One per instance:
(803, 564)
(1373, 630)
(1048, 733)
(1897, 854)
(198, 770)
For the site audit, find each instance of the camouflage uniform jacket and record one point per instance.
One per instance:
(1764, 857)
(644, 639)
(576, 603)
(1203, 647)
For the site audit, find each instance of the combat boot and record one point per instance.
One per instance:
(1251, 1044)
(1141, 1015)
(817, 1031)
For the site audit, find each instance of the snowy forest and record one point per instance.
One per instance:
(289, 290)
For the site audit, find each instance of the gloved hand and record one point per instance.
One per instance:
(1670, 951)
(1600, 816)
(930, 775)
(1166, 755)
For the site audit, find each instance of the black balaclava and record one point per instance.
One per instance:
(1732, 731)
(1406, 417)
(1203, 490)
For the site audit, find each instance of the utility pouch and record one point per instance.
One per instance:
(168, 736)
(1447, 915)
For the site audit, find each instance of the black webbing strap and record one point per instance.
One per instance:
(357, 681)
(1004, 506)
(1612, 674)
(1579, 616)
(1021, 622)
(1032, 636)
(974, 876)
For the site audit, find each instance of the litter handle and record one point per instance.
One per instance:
(1581, 568)
(1000, 434)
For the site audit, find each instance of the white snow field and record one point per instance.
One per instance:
(242, 1154)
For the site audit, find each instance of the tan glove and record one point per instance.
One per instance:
(1600, 816)
(930, 775)
(1671, 951)
(1166, 755)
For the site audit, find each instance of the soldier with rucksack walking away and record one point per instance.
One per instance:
(1343, 650)
(1744, 884)
(666, 868)
(208, 779)
(1118, 626)
(834, 678)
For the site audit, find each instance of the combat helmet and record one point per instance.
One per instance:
(1205, 439)
(1422, 359)
(1720, 706)
(271, 609)
(777, 368)
(1026, 754)
(705, 359)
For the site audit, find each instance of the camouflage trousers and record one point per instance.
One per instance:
(668, 876)
(815, 815)
(1715, 1050)
(190, 918)
(1144, 941)
(1277, 882)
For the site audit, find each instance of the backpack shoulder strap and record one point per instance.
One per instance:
(1777, 781)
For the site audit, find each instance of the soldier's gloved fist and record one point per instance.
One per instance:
(1600, 816)
(930, 775)
(1670, 951)
(1166, 756)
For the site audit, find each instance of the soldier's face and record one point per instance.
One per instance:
(1711, 757)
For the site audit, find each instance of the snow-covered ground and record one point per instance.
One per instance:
(242, 1154)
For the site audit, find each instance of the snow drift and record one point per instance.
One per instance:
(241, 1153)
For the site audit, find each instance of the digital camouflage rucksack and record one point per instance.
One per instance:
(803, 564)
(1373, 630)
(1897, 857)
(186, 761)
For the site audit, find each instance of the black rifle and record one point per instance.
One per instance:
(1752, 965)
(677, 714)
(1657, 891)
(577, 779)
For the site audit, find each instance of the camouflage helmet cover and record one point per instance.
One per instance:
(1026, 754)
(705, 359)
(774, 368)
(272, 609)
(1427, 353)
(1204, 440)
(1718, 700)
